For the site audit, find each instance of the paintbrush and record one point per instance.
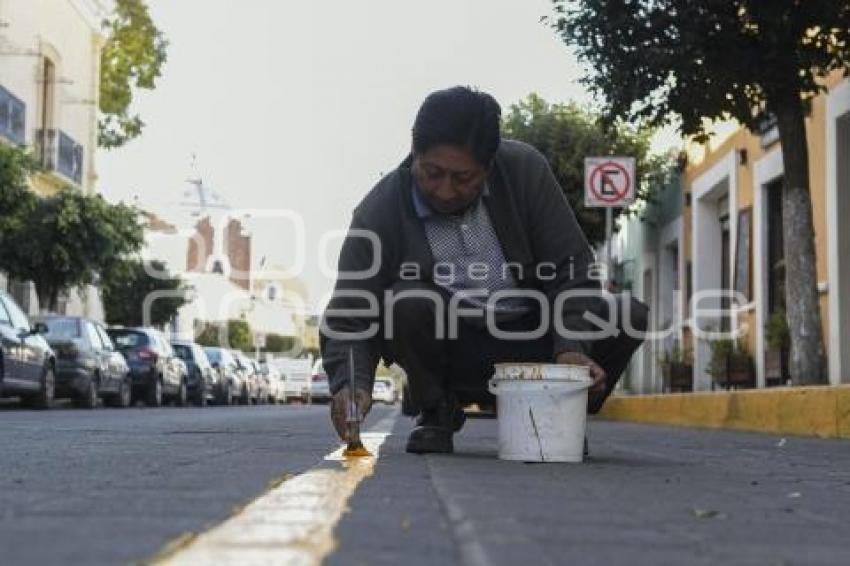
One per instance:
(355, 446)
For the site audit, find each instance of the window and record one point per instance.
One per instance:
(183, 352)
(91, 334)
(4, 316)
(12, 117)
(62, 328)
(104, 338)
(16, 315)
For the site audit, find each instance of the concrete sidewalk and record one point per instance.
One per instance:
(648, 495)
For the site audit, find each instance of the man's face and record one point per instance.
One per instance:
(449, 177)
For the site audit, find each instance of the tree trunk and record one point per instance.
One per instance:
(808, 364)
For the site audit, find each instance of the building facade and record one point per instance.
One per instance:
(728, 237)
(49, 86)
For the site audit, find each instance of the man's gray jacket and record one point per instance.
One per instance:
(535, 225)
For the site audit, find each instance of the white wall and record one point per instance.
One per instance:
(67, 31)
(838, 230)
(706, 249)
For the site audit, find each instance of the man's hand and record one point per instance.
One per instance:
(578, 359)
(339, 409)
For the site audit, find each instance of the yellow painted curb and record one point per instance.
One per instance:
(805, 411)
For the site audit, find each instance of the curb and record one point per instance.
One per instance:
(805, 411)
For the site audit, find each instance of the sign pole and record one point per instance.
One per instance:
(609, 235)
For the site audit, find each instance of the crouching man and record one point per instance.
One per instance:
(466, 255)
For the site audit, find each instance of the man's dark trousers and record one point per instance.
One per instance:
(437, 367)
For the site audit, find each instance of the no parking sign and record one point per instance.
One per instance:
(609, 182)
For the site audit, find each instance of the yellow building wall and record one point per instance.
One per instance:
(703, 157)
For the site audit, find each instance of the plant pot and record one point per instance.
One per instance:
(681, 377)
(741, 373)
(775, 368)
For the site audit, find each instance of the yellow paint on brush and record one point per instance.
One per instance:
(805, 411)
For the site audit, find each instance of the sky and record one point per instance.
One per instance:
(301, 105)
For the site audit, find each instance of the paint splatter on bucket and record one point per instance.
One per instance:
(542, 411)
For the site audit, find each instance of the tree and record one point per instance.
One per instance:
(566, 134)
(128, 284)
(16, 200)
(68, 240)
(714, 60)
(132, 58)
(237, 335)
(277, 343)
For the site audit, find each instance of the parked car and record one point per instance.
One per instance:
(384, 392)
(262, 384)
(88, 366)
(295, 376)
(229, 378)
(156, 372)
(27, 362)
(251, 385)
(275, 384)
(202, 379)
(320, 391)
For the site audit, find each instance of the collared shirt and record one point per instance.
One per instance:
(468, 256)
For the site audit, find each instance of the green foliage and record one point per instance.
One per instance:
(776, 332)
(16, 200)
(652, 59)
(236, 335)
(566, 134)
(277, 343)
(63, 241)
(132, 58)
(130, 282)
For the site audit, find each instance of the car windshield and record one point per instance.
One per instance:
(62, 328)
(183, 352)
(125, 339)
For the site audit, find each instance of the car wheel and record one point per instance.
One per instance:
(182, 395)
(44, 398)
(125, 395)
(154, 396)
(90, 395)
(226, 395)
(201, 395)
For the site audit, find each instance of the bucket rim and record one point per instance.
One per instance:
(584, 378)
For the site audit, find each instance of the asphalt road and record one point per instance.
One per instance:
(113, 487)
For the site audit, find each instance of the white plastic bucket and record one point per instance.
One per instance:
(542, 411)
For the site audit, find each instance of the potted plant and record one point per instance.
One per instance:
(742, 371)
(677, 369)
(777, 340)
(718, 367)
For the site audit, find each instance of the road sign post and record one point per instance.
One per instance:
(609, 182)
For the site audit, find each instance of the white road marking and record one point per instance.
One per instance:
(292, 523)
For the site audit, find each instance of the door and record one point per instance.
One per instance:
(11, 348)
(31, 347)
(93, 338)
(114, 361)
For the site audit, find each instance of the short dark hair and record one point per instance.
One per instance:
(459, 116)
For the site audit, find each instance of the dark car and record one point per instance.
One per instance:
(27, 362)
(155, 371)
(229, 380)
(202, 378)
(88, 366)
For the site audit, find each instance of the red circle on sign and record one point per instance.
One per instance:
(620, 194)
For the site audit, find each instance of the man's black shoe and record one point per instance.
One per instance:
(430, 439)
(449, 411)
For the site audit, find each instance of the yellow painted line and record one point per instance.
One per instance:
(806, 411)
(292, 523)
